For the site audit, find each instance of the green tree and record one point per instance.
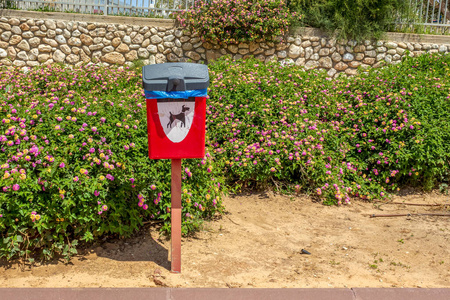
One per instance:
(350, 19)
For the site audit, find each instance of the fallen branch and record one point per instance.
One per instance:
(413, 204)
(408, 215)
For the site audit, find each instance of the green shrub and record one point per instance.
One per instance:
(350, 19)
(363, 136)
(226, 21)
(75, 164)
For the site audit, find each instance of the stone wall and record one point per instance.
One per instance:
(33, 38)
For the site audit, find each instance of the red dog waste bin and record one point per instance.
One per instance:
(176, 107)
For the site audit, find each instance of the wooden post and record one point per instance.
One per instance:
(176, 216)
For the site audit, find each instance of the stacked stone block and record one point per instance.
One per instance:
(31, 42)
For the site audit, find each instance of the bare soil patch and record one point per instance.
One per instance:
(259, 243)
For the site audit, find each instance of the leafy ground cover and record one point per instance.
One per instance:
(75, 164)
(362, 136)
(74, 145)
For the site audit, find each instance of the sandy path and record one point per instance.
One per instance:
(250, 247)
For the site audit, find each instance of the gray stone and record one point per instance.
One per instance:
(59, 56)
(16, 30)
(391, 51)
(388, 59)
(402, 45)
(336, 57)
(123, 48)
(3, 53)
(306, 44)
(315, 56)
(131, 56)
(396, 57)
(73, 58)
(51, 33)
(11, 52)
(60, 39)
(233, 48)
(44, 48)
(331, 72)
(96, 47)
(32, 63)
(74, 42)
(359, 48)
(15, 39)
(348, 57)
(300, 61)
(351, 72)
(308, 52)
(371, 53)
(295, 51)
(143, 53)
(381, 49)
(43, 57)
(191, 54)
(61, 24)
(340, 66)
(108, 49)
(19, 63)
(443, 48)
(85, 39)
(381, 56)
(114, 58)
(155, 39)
(171, 44)
(160, 48)
(152, 49)
(33, 54)
(400, 50)
(50, 24)
(34, 42)
(312, 64)
(325, 62)
(5, 26)
(369, 60)
(354, 64)
(24, 45)
(324, 52)
(391, 45)
(40, 33)
(50, 42)
(76, 33)
(280, 54)
(138, 39)
(169, 38)
(27, 34)
(65, 49)
(160, 58)
(66, 33)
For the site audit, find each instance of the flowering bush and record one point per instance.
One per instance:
(349, 137)
(74, 161)
(228, 21)
(74, 144)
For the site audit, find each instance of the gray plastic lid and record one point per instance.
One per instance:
(175, 77)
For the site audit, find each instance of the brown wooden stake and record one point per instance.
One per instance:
(176, 216)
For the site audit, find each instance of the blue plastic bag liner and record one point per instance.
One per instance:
(175, 95)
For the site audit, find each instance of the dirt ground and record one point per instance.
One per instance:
(250, 247)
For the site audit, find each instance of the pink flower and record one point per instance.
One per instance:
(96, 193)
(16, 187)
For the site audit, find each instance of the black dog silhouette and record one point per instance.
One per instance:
(181, 116)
